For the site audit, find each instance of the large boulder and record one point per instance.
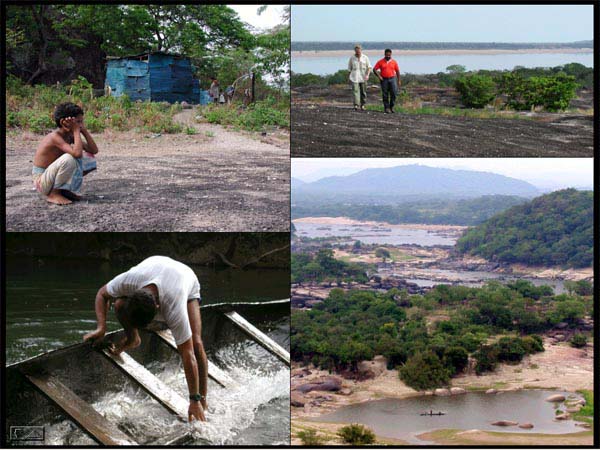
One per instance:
(457, 391)
(491, 391)
(526, 426)
(372, 369)
(296, 400)
(330, 384)
(505, 423)
(442, 392)
(556, 398)
(563, 416)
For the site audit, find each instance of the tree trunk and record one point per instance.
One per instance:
(39, 20)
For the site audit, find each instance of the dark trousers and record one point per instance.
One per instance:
(389, 90)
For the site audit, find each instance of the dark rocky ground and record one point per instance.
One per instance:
(325, 124)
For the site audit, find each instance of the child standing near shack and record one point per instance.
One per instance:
(63, 157)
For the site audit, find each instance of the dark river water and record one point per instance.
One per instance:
(49, 304)
(401, 419)
(427, 64)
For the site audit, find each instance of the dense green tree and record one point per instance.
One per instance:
(456, 359)
(424, 371)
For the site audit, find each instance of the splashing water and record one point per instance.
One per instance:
(256, 412)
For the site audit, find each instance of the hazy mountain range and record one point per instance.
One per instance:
(413, 181)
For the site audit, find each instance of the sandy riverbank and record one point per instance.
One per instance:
(496, 438)
(396, 52)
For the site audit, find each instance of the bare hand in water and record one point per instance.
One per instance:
(195, 411)
(95, 336)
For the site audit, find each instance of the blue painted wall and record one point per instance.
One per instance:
(161, 78)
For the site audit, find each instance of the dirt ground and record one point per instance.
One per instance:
(214, 180)
(325, 124)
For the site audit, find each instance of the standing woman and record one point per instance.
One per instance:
(213, 91)
(360, 69)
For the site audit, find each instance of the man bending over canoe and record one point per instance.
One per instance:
(161, 289)
(63, 157)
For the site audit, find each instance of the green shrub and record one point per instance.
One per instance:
(40, 123)
(340, 77)
(424, 371)
(578, 340)
(487, 359)
(456, 359)
(310, 438)
(553, 93)
(93, 124)
(510, 349)
(475, 91)
(533, 344)
(356, 434)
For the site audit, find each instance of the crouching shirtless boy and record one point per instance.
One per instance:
(63, 157)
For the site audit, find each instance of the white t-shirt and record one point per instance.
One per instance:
(176, 284)
(358, 68)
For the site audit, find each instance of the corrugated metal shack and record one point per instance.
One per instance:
(154, 76)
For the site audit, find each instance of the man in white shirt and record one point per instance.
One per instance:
(166, 290)
(360, 69)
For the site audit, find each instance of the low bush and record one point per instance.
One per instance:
(356, 434)
(255, 117)
(310, 438)
(578, 340)
(476, 91)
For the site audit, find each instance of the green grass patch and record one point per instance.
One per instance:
(255, 117)
(586, 414)
(31, 108)
(398, 255)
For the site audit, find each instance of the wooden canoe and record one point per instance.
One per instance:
(65, 383)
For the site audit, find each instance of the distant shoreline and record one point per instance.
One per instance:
(338, 53)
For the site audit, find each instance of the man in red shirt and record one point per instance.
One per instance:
(388, 72)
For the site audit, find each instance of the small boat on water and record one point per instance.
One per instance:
(64, 384)
(431, 413)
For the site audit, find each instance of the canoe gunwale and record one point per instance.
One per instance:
(221, 307)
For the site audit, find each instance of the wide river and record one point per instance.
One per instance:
(49, 304)
(429, 64)
(384, 234)
(377, 234)
(401, 419)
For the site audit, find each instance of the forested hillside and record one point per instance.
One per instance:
(552, 230)
(432, 211)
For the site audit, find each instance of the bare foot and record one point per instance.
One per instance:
(55, 197)
(71, 195)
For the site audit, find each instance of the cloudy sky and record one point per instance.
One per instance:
(443, 23)
(268, 19)
(544, 173)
